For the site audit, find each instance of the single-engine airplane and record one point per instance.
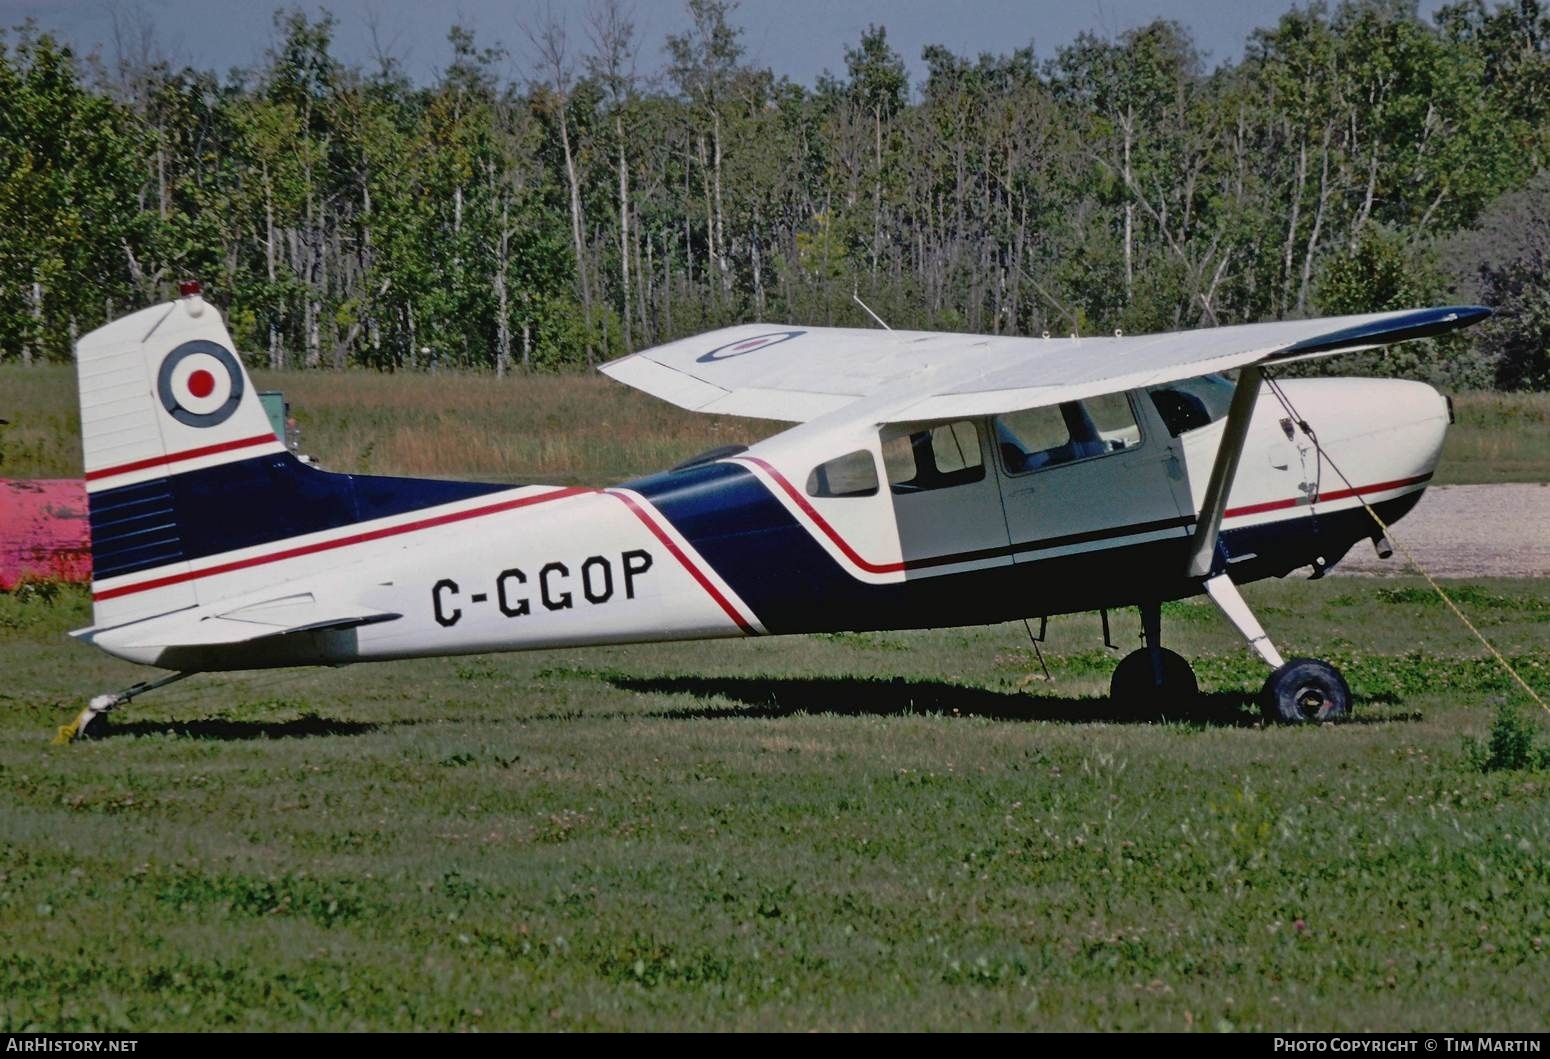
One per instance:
(932, 479)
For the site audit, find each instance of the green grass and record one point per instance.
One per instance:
(901, 831)
(584, 429)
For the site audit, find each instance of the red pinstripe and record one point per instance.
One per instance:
(429, 523)
(943, 560)
(839, 542)
(339, 542)
(179, 457)
(694, 571)
(667, 542)
(1338, 494)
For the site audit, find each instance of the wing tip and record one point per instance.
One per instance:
(1391, 328)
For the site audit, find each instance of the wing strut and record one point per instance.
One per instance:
(1208, 527)
(1202, 547)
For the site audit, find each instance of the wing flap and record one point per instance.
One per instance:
(669, 384)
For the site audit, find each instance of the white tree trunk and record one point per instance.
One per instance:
(1292, 221)
(1129, 213)
(575, 227)
(624, 231)
(502, 309)
(37, 321)
(721, 231)
(276, 354)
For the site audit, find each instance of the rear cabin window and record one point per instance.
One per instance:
(1192, 403)
(1065, 433)
(853, 474)
(937, 458)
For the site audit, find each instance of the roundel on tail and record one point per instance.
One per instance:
(200, 384)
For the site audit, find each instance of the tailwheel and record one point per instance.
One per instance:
(92, 722)
(1305, 691)
(94, 727)
(1135, 690)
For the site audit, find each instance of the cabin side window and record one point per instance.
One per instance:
(1075, 430)
(1190, 404)
(853, 474)
(936, 458)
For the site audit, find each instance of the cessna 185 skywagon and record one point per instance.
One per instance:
(932, 480)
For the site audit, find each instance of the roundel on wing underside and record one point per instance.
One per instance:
(200, 384)
(748, 345)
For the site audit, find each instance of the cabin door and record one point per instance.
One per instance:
(1087, 476)
(946, 501)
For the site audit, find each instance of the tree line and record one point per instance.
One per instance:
(1354, 158)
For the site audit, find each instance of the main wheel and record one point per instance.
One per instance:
(1134, 691)
(1305, 691)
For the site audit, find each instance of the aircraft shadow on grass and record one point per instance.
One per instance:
(226, 730)
(764, 697)
(771, 697)
(859, 696)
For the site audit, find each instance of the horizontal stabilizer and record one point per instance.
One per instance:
(297, 613)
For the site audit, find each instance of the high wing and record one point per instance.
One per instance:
(798, 374)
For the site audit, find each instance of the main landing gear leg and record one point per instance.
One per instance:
(1296, 692)
(1147, 681)
(92, 721)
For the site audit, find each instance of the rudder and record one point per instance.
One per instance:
(161, 391)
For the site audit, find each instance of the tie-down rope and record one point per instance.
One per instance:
(1302, 424)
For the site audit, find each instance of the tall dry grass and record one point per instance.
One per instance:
(569, 429)
(584, 429)
(1499, 437)
(41, 437)
(565, 429)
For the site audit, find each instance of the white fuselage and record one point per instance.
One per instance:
(743, 546)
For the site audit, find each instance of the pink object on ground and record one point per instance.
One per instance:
(44, 532)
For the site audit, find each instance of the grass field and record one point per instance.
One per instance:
(585, 429)
(902, 831)
(885, 831)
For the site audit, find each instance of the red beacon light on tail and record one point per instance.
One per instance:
(191, 292)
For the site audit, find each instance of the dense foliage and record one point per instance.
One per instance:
(1354, 158)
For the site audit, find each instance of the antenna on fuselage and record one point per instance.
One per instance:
(857, 296)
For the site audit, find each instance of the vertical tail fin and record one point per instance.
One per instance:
(162, 393)
(192, 497)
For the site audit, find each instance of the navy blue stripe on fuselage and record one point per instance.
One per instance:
(793, 584)
(245, 504)
(133, 528)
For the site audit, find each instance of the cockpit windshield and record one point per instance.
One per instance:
(1192, 403)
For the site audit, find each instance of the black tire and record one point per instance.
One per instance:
(96, 728)
(1135, 693)
(1305, 691)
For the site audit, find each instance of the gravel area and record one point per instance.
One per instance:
(1468, 531)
